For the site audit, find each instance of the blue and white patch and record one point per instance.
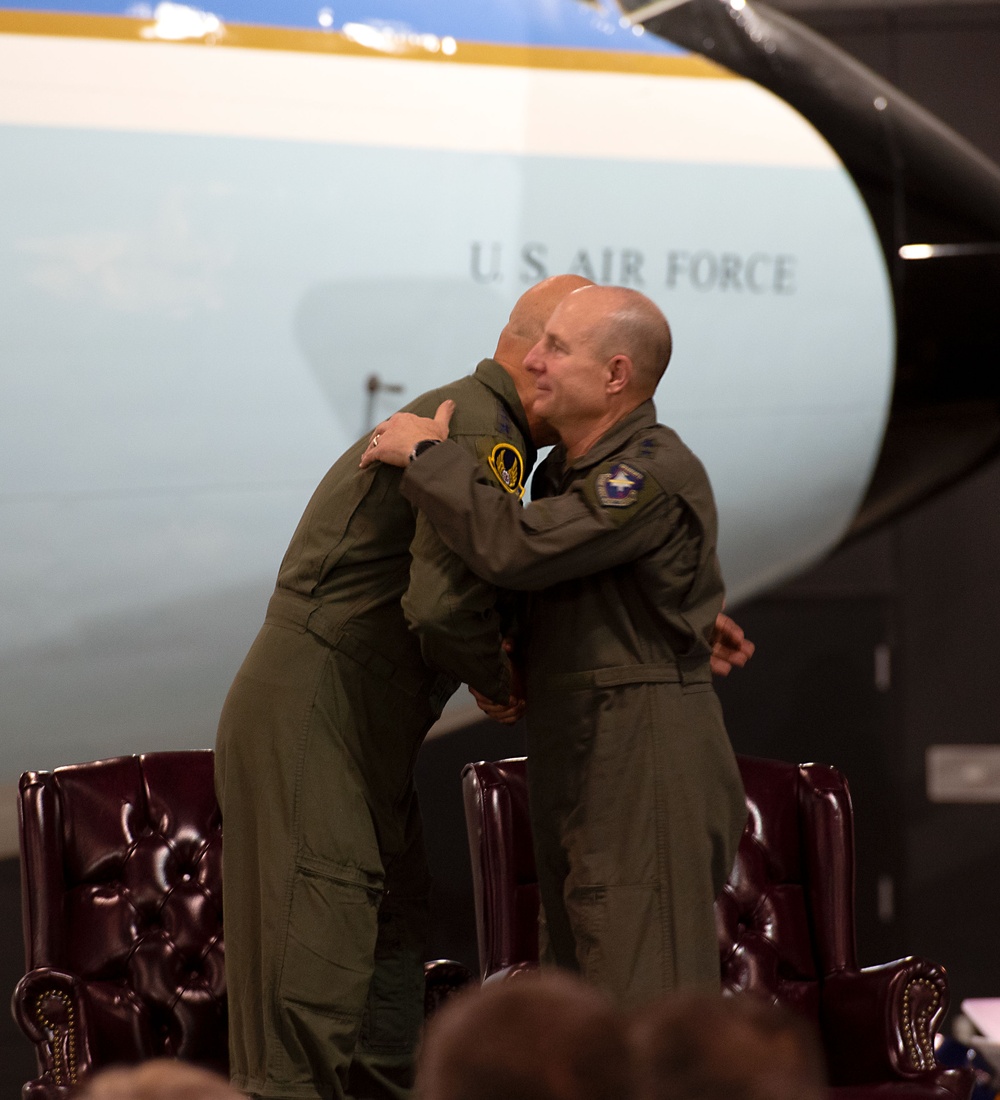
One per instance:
(620, 486)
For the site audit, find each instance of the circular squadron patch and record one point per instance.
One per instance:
(507, 463)
(620, 486)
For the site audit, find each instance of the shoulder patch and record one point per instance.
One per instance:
(620, 486)
(508, 465)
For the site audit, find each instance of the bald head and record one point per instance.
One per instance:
(603, 351)
(523, 330)
(629, 323)
(532, 310)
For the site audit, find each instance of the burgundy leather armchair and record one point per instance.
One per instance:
(121, 895)
(785, 923)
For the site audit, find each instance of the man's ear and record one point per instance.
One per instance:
(620, 372)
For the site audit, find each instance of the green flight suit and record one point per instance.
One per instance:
(636, 800)
(372, 626)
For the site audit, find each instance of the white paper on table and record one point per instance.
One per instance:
(984, 1013)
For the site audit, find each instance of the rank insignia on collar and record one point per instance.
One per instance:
(508, 465)
(619, 487)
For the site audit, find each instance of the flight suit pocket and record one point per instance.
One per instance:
(587, 911)
(329, 943)
(621, 932)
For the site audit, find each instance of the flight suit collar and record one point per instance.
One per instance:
(644, 416)
(495, 378)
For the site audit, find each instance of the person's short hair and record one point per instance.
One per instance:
(158, 1079)
(704, 1047)
(542, 1036)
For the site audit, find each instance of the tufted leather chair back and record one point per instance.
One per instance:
(786, 915)
(122, 902)
(785, 922)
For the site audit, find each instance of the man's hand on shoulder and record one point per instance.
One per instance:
(393, 440)
(730, 646)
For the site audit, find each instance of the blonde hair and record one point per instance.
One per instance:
(545, 1036)
(159, 1079)
(700, 1046)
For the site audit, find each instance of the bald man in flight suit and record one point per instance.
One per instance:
(636, 801)
(372, 625)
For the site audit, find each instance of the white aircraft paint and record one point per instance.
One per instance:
(207, 250)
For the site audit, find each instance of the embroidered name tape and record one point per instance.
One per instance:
(619, 487)
(508, 465)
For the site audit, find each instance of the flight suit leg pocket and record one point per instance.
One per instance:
(327, 967)
(587, 912)
(620, 940)
(330, 943)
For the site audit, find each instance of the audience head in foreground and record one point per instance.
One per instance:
(159, 1079)
(700, 1047)
(542, 1036)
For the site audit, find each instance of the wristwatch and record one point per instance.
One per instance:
(423, 445)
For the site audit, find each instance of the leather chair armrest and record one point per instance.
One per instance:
(442, 979)
(515, 970)
(49, 1009)
(878, 1024)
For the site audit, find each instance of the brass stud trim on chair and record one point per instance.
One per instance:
(63, 1061)
(917, 1031)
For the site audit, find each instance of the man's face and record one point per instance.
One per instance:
(568, 366)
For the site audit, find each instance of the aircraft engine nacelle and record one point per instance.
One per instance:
(935, 202)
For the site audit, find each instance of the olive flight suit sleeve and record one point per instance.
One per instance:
(455, 615)
(592, 527)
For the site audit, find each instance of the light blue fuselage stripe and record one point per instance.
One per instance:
(567, 23)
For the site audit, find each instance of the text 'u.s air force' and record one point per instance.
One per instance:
(699, 269)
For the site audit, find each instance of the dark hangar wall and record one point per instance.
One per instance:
(884, 650)
(945, 56)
